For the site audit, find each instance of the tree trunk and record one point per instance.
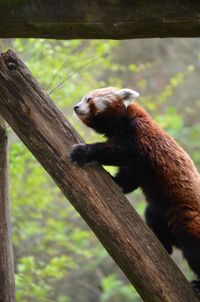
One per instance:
(48, 135)
(7, 287)
(121, 19)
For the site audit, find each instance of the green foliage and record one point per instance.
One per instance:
(175, 81)
(57, 258)
(115, 290)
(76, 65)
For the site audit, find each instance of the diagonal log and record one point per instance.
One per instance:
(121, 19)
(7, 285)
(49, 136)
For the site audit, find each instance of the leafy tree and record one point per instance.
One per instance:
(57, 258)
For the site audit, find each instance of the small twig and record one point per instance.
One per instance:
(76, 71)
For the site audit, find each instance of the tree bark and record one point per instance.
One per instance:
(122, 19)
(45, 131)
(7, 287)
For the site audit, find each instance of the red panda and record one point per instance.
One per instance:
(148, 158)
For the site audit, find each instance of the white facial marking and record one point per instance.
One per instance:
(100, 104)
(83, 106)
(128, 95)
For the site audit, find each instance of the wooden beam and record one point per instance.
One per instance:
(7, 285)
(48, 135)
(122, 19)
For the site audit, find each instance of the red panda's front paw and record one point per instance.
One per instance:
(79, 154)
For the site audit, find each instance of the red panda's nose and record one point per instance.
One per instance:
(76, 108)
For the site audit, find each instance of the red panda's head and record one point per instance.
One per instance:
(102, 104)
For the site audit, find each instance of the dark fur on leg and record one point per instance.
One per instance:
(102, 153)
(159, 227)
(80, 155)
(126, 180)
(195, 284)
(191, 251)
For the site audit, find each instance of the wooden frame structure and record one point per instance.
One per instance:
(31, 113)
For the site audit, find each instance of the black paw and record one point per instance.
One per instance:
(195, 284)
(125, 185)
(79, 154)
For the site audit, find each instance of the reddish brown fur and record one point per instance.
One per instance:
(176, 173)
(149, 158)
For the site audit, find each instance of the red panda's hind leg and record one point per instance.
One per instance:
(195, 284)
(159, 227)
(191, 251)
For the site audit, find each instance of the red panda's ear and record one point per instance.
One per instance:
(128, 95)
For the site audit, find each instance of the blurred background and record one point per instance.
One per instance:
(57, 257)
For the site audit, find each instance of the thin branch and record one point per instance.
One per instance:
(77, 71)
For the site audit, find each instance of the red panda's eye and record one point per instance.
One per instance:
(88, 100)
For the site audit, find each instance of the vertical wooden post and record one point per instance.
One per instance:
(7, 287)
